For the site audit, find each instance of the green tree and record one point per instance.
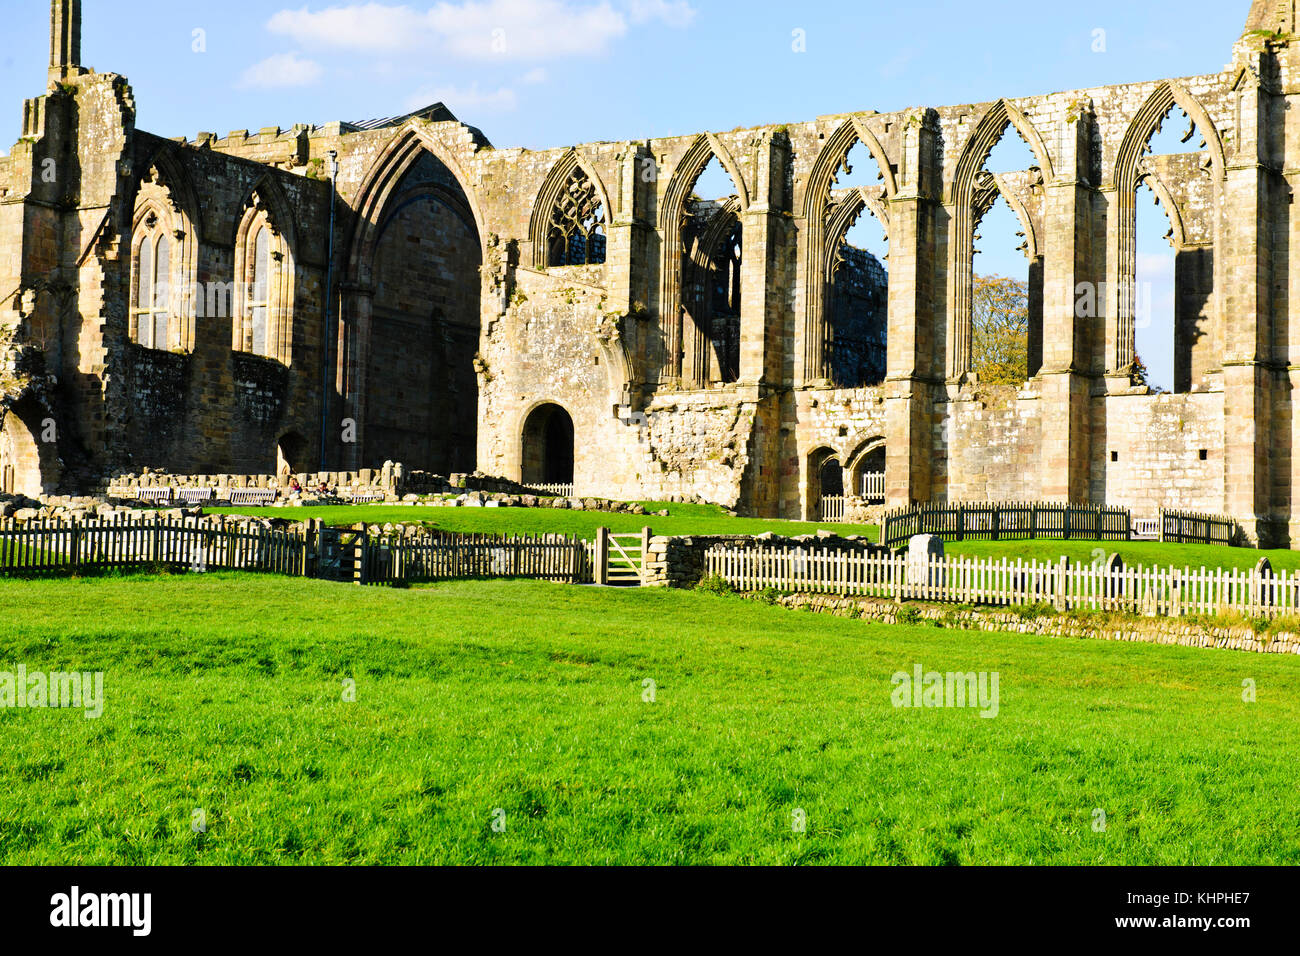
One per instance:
(1000, 330)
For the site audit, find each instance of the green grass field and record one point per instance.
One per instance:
(225, 692)
(709, 519)
(684, 519)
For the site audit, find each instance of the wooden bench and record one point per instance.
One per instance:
(1146, 529)
(192, 496)
(251, 496)
(155, 495)
(363, 497)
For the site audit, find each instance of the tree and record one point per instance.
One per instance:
(1000, 330)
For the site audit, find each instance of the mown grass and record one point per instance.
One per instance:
(225, 692)
(683, 519)
(687, 519)
(1148, 553)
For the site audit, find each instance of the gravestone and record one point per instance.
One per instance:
(921, 550)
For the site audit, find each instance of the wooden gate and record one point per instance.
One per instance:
(342, 555)
(621, 558)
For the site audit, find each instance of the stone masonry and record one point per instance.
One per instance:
(459, 307)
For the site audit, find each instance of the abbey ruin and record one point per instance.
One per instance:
(343, 295)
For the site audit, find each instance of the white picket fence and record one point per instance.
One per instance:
(833, 508)
(873, 486)
(965, 580)
(557, 491)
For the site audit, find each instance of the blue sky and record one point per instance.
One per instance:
(542, 73)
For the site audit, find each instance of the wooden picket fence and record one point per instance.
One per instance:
(545, 558)
(134, 541)
(1187, 527)
(1006, 521)
(1164, 591)
(150, 539)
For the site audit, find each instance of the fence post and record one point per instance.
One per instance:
(645, 556)
(601, 569)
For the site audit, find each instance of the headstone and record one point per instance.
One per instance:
(921, 550)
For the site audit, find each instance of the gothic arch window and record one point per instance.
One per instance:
(264, 284)
(576, 233)
(844, 333)
(856, 253)
(712, 242)
(152, 286)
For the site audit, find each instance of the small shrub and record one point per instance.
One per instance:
(907, 615)
(715, 584)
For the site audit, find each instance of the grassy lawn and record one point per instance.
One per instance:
(684, 519)
(688, 519)
(224, 692)
(1149, 553)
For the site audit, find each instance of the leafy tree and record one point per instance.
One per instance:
(1000, 330)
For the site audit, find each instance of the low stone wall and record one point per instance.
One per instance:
(678, 562)
(1180, 632)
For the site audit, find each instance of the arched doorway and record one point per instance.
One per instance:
(866, 472)
(291, 455)
(825, 480)
(22, 454)
(410, 314)
(548, 451)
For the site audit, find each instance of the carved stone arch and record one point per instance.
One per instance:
(617, 357)
(1170, 206)
(356, 289)
(164, 190)
(1122, 298)
(265, 205)
(962, 195)
(544, 206)
(697, 274)
(821, 246)
(842, 216)
(1032, 250)
(671, 220)
(406, 147)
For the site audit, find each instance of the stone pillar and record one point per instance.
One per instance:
(911, 377)
(1249, 201)
(766, 265)
(65, 39)
(1068, 274)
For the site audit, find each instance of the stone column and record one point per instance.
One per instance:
(1252, 190)
(1070, 277)
(65, 39)
(911, 375)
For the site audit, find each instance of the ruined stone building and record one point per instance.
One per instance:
(579, 313)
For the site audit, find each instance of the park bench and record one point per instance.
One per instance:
(154, 495)
(194, 496)
(251, 496)
(363, 497)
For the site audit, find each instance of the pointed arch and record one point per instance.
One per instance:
(1121, 343)
(385, 175)
(824, 236)
(962, 195)
(572, 163)
(380, 187)
(165, 215)
(672, 214)
(265, 286)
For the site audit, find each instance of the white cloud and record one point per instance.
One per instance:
(534, 77)
(675, 13)
(373, 27)
(283, 69)
(478, 29)
(461, 100)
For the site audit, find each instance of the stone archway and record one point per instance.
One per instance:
(548, 447)
(28, 465)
